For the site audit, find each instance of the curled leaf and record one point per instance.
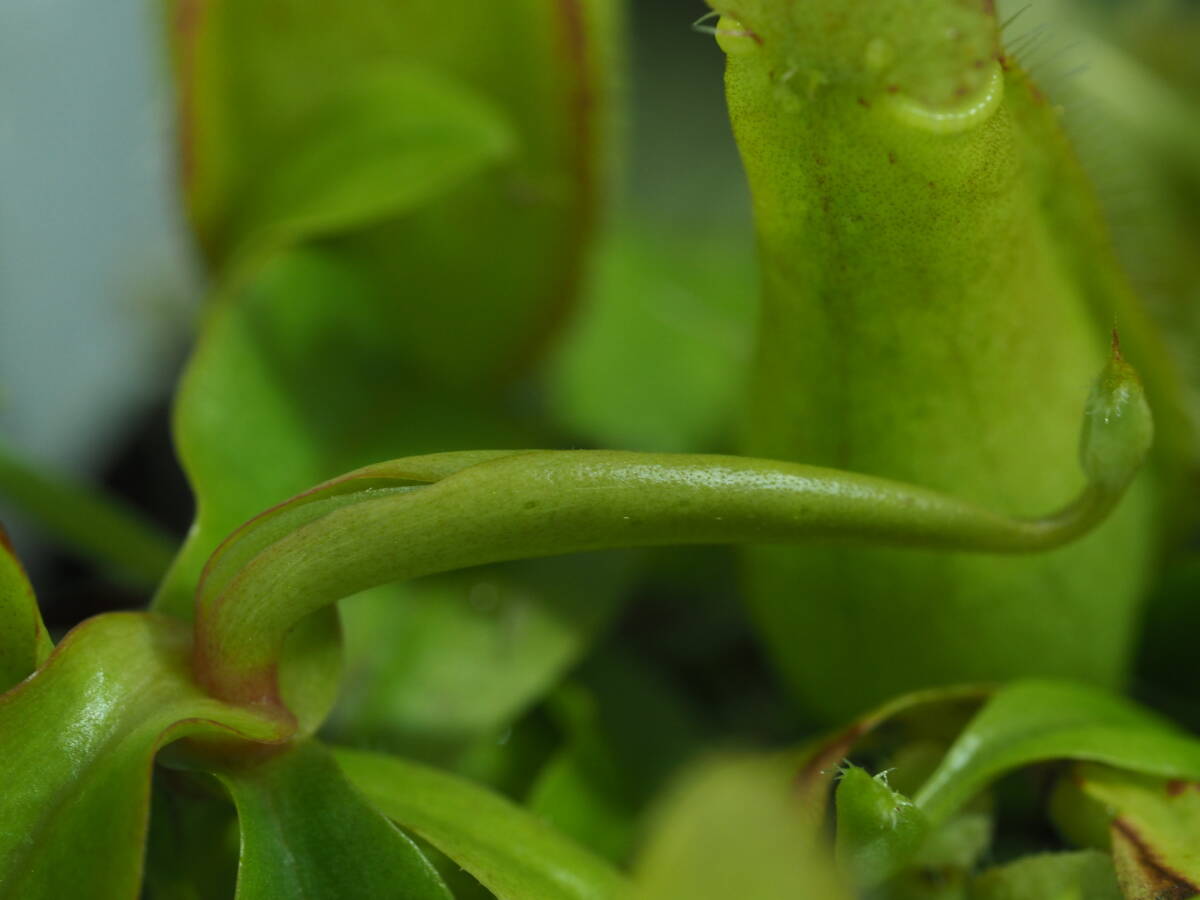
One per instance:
(78, 740)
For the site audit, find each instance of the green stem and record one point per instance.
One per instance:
(431, 514)
(88, 521)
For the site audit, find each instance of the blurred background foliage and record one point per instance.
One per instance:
(91, 350)
(101, 289)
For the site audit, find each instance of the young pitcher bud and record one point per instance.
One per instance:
(1118, 428)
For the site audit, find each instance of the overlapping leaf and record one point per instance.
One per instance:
(510, 851)
(24, 641)
(78, 741)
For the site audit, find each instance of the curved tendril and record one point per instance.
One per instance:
(466, 509)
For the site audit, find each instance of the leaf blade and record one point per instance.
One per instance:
(307, 833)
(77, 741)
(1032, 721)
(507, 849)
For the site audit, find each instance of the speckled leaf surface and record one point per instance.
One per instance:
(1154, 828)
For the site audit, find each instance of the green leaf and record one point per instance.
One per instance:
(1155, 827)
(732, 829)
(510, 851)
(878, 829)
(87, 521)
(1035, 721)
(1083, 875)
(24, 641)
(306, 832)
(77, 742)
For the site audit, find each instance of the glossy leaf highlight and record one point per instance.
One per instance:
(78, 740)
